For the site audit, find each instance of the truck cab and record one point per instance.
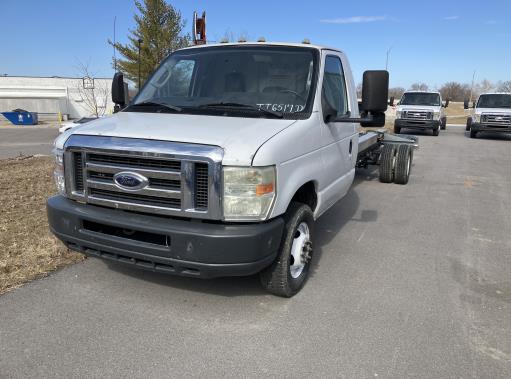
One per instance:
(421, 110)
(492, 113)
(220, 165)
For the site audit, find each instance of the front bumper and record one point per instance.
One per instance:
(481, 127)
(163, 244)
(417, 124)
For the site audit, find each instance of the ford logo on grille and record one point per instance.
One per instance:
(130, 181)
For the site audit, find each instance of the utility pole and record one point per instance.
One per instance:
(115, 58)
(387, 61)
(139, 61)
(472, 86)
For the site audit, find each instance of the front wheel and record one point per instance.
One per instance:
(469, 124)
(473, 133)
(443, 123)
(436, 132)
(287, 275)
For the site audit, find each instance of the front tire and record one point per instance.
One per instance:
(288, 273)
(436, 132)
(473, 134)
(397, 129)
(469, 124)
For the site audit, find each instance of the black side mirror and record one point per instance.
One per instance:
(465, 104)
(473, 104)
(118, 95)
(375, 91)
(447, 103)
(391, 101)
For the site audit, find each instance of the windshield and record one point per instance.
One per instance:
(247, 79)
(419, 98)
(494, 101)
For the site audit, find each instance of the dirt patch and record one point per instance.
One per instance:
(28, 250)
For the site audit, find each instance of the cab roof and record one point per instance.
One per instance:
(254, 43)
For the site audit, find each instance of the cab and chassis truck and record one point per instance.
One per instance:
(492, 113)
(421, 110)
(223, 161)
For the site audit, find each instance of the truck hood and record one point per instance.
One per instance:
(240, 138)
(427, 108)
(504, 111)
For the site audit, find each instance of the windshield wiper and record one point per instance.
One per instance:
(241, 105)
(154, 103)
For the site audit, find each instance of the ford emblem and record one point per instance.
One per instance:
(130, 181)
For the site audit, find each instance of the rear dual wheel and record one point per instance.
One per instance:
(396, 163)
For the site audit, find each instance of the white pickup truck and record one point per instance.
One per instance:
(223, 161)
(492, 113)
(421, 110)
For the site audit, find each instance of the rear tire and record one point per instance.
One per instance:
(436, 132)
(473, 134)
(387, 163)
(403, 164)
(288, 273)
(443, 123)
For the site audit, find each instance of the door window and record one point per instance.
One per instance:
(334, 86)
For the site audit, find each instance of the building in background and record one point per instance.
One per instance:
(71, 97)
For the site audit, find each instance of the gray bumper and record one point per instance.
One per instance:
(478, 127)
(417, 124)
(175, 246)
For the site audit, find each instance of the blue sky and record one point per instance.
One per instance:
(433, 41)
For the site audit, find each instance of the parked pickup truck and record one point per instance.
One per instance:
(223, 161)
(421, 110)
(492, 113)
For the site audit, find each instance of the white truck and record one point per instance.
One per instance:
(492, 113)
(421, 110)
(223, 161)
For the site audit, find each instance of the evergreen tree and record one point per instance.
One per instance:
(159, 25)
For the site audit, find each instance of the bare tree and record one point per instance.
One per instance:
(483, 87)
(504, 86)
(419, 87)
(93, 93)
(455, 91)
(396, 92)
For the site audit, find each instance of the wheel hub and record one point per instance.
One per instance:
(301, 250)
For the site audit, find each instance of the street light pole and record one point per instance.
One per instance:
(387, 61)
(472, 86)
(139, 43)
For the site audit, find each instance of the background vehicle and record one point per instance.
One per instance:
(223, 161)
(421, 110)
(73, 123)
(492, 113)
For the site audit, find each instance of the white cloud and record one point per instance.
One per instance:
(354, 19)
(451, 17)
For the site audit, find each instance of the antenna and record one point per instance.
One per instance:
(199, 29)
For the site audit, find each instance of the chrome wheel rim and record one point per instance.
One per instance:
(301, 250)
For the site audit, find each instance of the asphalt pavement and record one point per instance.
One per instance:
(408, 281)
(26, 141)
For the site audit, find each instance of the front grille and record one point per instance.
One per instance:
(201, 185)
(135, 162)
(502, 120)
(78, 171)
(145, 176)
(418, 115)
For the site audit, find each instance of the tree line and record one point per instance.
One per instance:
(456, 91)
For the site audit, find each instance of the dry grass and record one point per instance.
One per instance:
(29, 250)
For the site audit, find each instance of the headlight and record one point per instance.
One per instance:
(398, 114)
(248, 192)
(476, 118)
(58, 172)
(436, 116)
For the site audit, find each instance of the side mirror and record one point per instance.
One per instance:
(391, 101)
(118, 95)
(446, 103)
(375, 91)
(473, 104)
(465, 104)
